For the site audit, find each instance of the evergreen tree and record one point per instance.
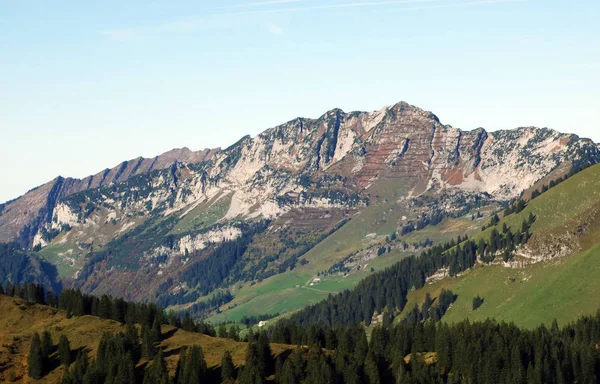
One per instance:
(495, 220)
(93, 376)
(318, 371)
(64, 351)
(148, 345)
(47, 344)
(287, 375)
(126, 371)
(157, 372)
(51, 299)
(252, 373)
(188, 323)
(227, 368)
(477, 302)
(132, 341)
(371, 369)
(233, 333)
(266, 356)
(426, 306)
(35, 359)
(81, 365)
(192, 366)
(156, 333)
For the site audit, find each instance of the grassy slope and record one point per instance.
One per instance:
(19, 321)
(560, 288)
(204, 215)
(280, 293)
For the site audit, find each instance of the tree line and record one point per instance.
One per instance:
(76, 303)
(387, 290)
(421, 352)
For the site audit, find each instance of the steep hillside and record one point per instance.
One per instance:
(21, 219)
(267, 217)
(536, 264)
(20, 320)
(555, 276)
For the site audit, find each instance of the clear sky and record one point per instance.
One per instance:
(87, 84)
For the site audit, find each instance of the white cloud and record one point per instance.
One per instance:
(274, 29)
(125, 35)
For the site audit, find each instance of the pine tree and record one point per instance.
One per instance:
(287, 376)
(132, 341)
(266, 356)
(495, 220)
(227, 368)
(47, 344)
(371, 369)
(81, 365)
(195, 367)
(443, 346)
(51, 299)
(252, 373)
(477, 302)
(148, 346)
(64, 351)
(157, 372)
(318, 370)
(188, 323)
(156, 333)
(105, 310)
(426, 306)
(93, 376)
(234, 332)
(125, 371)
(35, 359)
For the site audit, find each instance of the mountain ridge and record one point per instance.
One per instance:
(275, 196)
(65, 186)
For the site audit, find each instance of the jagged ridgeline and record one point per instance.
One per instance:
(246, 230)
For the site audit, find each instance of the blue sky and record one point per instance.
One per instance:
(85, 85)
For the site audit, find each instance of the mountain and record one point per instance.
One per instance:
(22, 217)
(251, 229)
(536, 265)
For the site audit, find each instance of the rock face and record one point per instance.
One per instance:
(21, 218)
(400, 142)
(306, 173)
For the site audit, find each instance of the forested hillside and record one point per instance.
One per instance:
(47, 344)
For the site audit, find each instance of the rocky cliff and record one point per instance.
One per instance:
(21, 218)
(306, 177)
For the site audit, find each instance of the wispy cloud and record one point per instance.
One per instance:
(224, 17)
(260, 4)
(123, 35)
(365, 4)
(332, 6)
(464, 4)
(274, 29)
